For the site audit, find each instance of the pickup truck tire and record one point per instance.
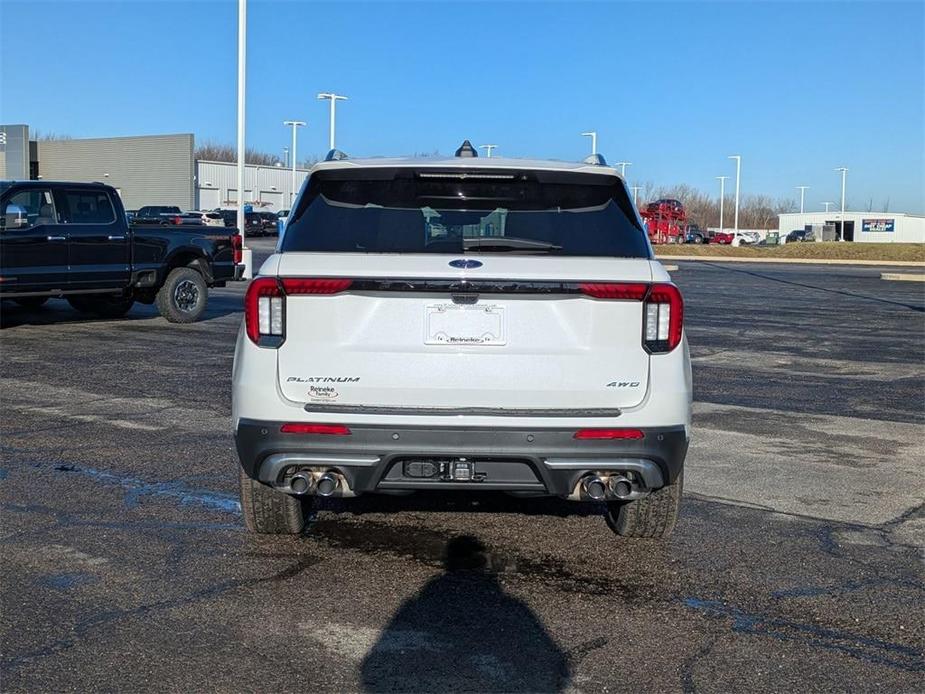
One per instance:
(31, 302)
(103, 306)
(183, 297)
(270, 512)
(653, 516)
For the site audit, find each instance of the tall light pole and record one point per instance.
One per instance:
(623, 165)
(722, 199)
(242, 74)
(295, 125)
(636, 190)
(334, 99)
(827, 204)
(738, 159)
(593, 135)
(488, 149)
(286, 157)
(802, 190)
(844, 174)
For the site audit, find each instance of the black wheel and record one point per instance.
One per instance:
(270, 512)
(183, 297)
(654, 515)
(31, 302)
(697, 238)
(104, 306)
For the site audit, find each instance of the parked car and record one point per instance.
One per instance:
(72, 240)
(268, 222)
(456, 332)
(281, 218)
(724, 237)
(158, 214)
(253, 223)
(799, 235)
(695, 234)
(211, 219)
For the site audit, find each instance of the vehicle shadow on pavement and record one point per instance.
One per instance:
(58, 312)
(449, 621)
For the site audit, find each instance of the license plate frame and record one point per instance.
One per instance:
(461, 325)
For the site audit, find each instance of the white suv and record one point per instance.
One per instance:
(464, 324)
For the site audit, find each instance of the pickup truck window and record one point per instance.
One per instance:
(29, 208)
(88, 207)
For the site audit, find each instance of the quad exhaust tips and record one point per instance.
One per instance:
(595, 488)
(328, 484)
(301, 482)
(620, 486)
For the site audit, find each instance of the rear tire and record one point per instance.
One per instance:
(183, 297)
(270, 512)
(31, 302)
(103, 306)
(654, 515)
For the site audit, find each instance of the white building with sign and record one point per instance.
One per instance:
(869, 227)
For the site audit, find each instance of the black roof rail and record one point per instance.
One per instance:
(595, 160)
(335, 155)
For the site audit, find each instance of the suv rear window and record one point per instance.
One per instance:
(407, 210)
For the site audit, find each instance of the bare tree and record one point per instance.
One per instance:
(870, 204)
(886, 205)
(212, 151)
(48, 137)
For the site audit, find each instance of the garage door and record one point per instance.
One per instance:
(209, 199)
(273, 198)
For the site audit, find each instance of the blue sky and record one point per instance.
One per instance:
(795, 88)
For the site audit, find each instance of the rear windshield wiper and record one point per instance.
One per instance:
(508, 243)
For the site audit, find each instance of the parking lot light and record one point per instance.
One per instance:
(844, 175)
(334, 99)
(722, 199)
(295, 124)
(738, 159)
(827, 205)
(242, 74)
(593, 135)
(623, 165)
(488, 149)
(802, 190)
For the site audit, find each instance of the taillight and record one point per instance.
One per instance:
(663, 309)
(609, 434)
(236, 245)
(265, 304)
(176, 220)
(306, 428)
(664, 318)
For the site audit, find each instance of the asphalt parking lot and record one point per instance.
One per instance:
(796, 565)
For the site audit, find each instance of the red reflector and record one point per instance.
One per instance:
(632, 291)
(609, 434)
(329, 429)
(315, 285)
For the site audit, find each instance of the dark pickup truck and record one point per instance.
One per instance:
(72, 240)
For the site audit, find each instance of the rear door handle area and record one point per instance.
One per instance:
(56, 238)
(116, 238)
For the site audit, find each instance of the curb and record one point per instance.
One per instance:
(902, 277)
(793, 261)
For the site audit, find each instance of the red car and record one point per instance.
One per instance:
(723, 237)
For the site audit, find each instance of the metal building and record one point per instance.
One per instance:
(146, 170)
(870, 227)
(265, 187)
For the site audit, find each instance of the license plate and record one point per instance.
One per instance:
(460, 324)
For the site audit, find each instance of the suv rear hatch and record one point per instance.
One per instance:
(464, 292)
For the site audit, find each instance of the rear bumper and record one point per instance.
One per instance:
(543, 461)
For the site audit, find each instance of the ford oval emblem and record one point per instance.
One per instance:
(465, 263)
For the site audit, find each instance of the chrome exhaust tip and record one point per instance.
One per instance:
(620, 486)
(301, 482)
(595, 488)
(328, 484)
